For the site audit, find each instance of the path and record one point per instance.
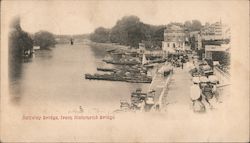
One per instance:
(177, 98)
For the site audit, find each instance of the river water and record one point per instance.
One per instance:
(54, 81)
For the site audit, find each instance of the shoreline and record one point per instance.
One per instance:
(106, 45)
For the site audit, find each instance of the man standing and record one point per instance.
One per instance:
(182, 62)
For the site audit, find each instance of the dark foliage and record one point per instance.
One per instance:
(100, 35)
(44, 39)
(194, 25)
(130, 31)
(19, 42)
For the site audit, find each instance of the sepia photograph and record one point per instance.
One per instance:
(124, 71)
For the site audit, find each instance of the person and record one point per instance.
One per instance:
(157, 107)
(213, 83)
(198, 106)
(195, 92)
(214, 88)
(172, 62)
(207, 93)
(196, 98)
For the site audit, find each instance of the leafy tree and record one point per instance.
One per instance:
(188, 25)
(100, 35)
(44, 39)
(131, 31)
(122, 31)
(19, 41)
(195, 25)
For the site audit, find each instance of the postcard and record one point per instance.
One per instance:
(124, 71)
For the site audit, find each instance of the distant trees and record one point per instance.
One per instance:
(101, 35)
(19, 40)
(195, 25)
(20, 45)
(188, 24)
(44, 39)
(129, 31)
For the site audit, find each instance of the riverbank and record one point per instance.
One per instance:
(106, 45)
(100, 48)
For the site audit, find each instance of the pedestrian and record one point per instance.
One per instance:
(195, 92)
(182, 61)
(195, 95)
(207, 93)
(157, 107)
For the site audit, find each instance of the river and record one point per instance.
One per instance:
(53, 81)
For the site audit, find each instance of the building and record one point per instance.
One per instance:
(195, 40)
(213, 52)
(174, 38)
(216, 31)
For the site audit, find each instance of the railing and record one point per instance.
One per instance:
(159, 102)
(223, 77)
(164, 90)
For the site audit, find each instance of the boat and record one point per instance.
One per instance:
(115, 77)
(121, 62)
(106, 69)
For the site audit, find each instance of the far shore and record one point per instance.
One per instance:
(107, 45)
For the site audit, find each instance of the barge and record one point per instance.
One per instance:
(114, 77)
(131, 63)
(106, 69)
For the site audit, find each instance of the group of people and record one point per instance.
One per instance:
(178, 61)
(203, 90)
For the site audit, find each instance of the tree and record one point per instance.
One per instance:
(19, 42)
(100, 35)
(196, 25)
(131, 31)
(122, 31)
(44, 39)
(158, 36)
(188, 25)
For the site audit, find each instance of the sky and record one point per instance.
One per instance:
(79, 17)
